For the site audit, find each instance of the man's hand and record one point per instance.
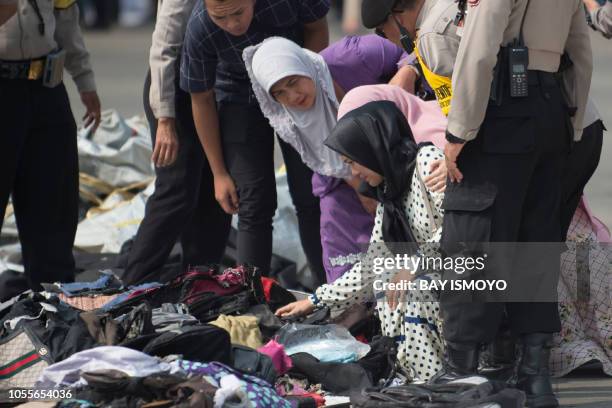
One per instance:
(451, 153)
(300, 308)
(394, 297)
(92, 105)
(166, 143)
(436, 181)
(225, 193)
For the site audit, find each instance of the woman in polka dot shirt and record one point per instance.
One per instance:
(376, 141)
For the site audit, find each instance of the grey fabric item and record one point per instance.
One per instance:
(171, 317)
(67, 373)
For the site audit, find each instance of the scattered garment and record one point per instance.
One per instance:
(130, 293)
(87, 303)
(260, 393)
(337, 378)
(106, 284)
(112, 388)
(280, 359)
(171, 316)
(232, 391)
(243, 330)
(68, 373)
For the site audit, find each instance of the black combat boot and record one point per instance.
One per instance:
(498, 360)
(533, 376)
(460, 361)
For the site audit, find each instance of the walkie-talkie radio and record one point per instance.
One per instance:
(518, 62)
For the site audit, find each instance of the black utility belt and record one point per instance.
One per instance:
(542, 78)
(32, 69)
(49, 69)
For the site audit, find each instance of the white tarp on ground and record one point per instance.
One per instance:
(119, 153)
(106, 231)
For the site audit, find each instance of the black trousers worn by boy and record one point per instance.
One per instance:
(248, 147)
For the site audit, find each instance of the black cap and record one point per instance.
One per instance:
(375, 12)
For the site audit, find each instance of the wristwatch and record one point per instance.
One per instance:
(454, 139)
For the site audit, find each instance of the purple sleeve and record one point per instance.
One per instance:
(380, 55)
(393, 58)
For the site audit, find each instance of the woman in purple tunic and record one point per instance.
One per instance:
(299, 93)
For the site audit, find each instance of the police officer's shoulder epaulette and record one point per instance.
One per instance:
(64, 4)
(444, 20)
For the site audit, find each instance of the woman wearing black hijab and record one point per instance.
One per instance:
(376, 141)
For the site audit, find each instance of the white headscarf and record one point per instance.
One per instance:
(306, 130)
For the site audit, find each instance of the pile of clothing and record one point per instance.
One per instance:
(208, 338)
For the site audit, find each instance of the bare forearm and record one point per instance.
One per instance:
(316, 35)
(405, 78)
(206, 121)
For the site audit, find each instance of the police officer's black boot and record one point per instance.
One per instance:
(533, 376)
(460, 361)
(498, 360)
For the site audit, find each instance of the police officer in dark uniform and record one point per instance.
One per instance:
(38, 148)
(505, 160)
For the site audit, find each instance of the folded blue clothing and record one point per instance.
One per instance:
(107, 283)
(125, 295)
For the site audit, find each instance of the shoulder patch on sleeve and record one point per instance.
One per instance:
(63, 4)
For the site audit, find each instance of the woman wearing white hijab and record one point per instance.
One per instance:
(296, 93)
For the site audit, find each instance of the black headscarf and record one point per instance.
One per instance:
(378, 137)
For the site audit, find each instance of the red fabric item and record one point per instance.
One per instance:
(362, 338)
(267, 284)
(319, 399)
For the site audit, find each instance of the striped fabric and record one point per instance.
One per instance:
(20, 362)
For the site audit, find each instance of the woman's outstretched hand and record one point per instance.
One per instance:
(300, 308)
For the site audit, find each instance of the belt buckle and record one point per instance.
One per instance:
(36, 69)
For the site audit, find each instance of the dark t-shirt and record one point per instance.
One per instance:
(212, 57)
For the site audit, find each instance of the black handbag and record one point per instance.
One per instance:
(202, 343)
(252, 362)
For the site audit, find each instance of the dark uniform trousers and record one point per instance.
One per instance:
(39, 167)
(183, 205)
(581, 164)
(248, 146)
(511, 192)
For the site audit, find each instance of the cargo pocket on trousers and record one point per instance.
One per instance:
(467, 217)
